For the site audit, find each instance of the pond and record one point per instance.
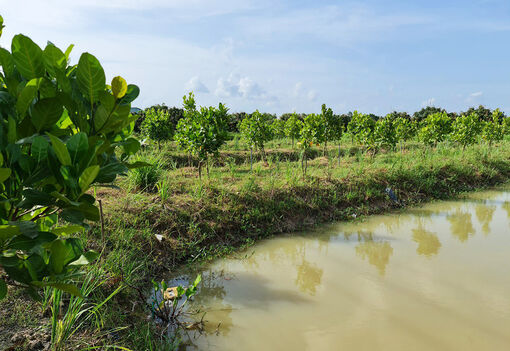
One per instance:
(435, 277)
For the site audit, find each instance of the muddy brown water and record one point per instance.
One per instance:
(430, 278)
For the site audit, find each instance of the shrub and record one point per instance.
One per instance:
(256, 130)
(312, 132)
(361, 127)
(436, 128)
(202, 132)
(157, 125)
(465, 129)
(62, 129)
(493, 131)
(385, 132)
(278, 128)
(332, 126)
(293, 127)
(404, 128)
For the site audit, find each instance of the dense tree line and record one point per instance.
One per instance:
(203, 131)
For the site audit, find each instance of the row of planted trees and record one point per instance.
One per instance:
(201, 132)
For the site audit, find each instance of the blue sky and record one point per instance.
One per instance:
(280, 56)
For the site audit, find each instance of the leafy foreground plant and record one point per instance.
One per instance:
(60, 129)
(168, 302)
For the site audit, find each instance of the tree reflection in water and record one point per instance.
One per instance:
(461, 225)
(484, 214)
(378, 253)
(308, 277)
(428, 242)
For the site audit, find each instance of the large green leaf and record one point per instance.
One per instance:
(27, 95)
(28, 57)
(90, 76)
(78, 146)
(34, 197)
(87, 177)
(68, 288)
(5, 173)
(22, 242)
(54, 59)
(59, 253)
(8, 231)
(86, 258)
(64, 252)
(6, 61)
(67, 230)
(40, 148)
(131, 94)
(100, 117)
(60, 150)
(68, 51)
(12, 133)
(46, 113)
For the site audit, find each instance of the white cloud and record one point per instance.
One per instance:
(312, 95)
(196, 85)
(241, 86)
(476, 94)
(296, 92)
(429, 102)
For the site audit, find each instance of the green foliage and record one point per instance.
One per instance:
(506, 125)
(256, 130)
(62, 129)
(465, 129)
(312, 131)
(493, 131)
(293, 127)
(385, 132)
(332, 125)
(168, 303)
(362, 128)
(425, 112)
(404, 128)
(278, 128)
(483, 113)
(202, 132)
(157, 125)
(436, 128)
(174, 114)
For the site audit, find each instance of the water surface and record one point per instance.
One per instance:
(431, 278)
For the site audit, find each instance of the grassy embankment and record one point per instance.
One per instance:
(234, 207)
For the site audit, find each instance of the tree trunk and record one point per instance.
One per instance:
(303, 163)
(306, 164)
(292, 142)
(263, 155)
(325, 147)
(339, 155)
(251, 158)
(200, 169)
(207, 166)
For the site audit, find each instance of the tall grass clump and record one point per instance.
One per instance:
(71, 314)
(146, 178)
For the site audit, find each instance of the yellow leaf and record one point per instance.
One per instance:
(119, 87)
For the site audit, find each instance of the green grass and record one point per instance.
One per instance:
(234, 207)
